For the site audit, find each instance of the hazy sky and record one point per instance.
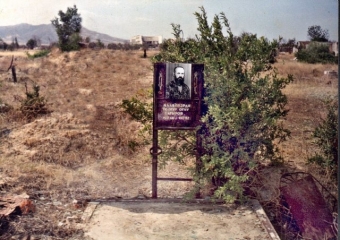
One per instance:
(126, 18)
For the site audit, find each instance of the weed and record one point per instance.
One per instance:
(41, 53)
(34, 104)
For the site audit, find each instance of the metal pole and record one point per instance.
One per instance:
(154, 162)
(198, 160)
(154, 139)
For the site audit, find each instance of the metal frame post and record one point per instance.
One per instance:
(154, 162)
(189, 109)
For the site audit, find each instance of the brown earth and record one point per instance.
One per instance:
(82, 152)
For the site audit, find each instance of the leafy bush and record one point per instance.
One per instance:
(34, 104)
(92, 45)
(96, 45)
(41, 53)
(243, 107)
(316, 53)
(141, 111)
(112, 46)
(326, 138)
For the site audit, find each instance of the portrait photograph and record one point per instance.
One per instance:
(178, 81)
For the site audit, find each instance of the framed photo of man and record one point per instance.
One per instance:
(178, 94)
(178, 84)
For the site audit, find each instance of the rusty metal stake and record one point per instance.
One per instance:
(14, 75)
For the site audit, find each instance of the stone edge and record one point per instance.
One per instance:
(264, 220)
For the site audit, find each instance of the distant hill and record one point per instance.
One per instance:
(46, 33)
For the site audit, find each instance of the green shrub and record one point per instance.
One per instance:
(41, 53)
(140, 111)
(34, 104)
(326, 138)
(316, 53)
(244, 107)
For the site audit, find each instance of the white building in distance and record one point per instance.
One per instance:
(146, 40)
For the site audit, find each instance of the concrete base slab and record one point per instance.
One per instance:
(157, 219)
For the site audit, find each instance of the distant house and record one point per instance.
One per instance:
(146, 40)
(333, 46)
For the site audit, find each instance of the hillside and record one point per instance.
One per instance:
(47, 34)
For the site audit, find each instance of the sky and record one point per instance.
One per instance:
(126, 18)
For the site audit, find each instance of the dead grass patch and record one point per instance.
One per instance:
(305, 97)
(302, 72)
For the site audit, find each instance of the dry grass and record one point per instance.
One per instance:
(80, 150)
(305, 97)
(18, 53)
(302, 72)
(82, 90)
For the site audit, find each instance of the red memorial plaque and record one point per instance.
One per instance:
(178, 94)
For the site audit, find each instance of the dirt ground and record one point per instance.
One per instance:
(81, 152)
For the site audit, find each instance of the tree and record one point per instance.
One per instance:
(100, 44)
(3, 44)
(68, 29)
(244, 104)
(287, 45)
(32, 43)
(112, 46)
(87, 39)
(316, 33)
(16, 44)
